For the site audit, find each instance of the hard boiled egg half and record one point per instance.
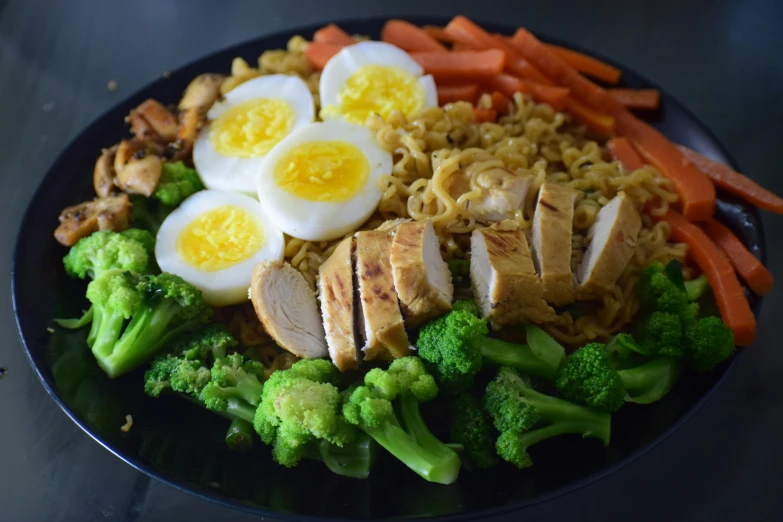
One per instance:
(245, 125)
(322, 181)
(213, 240)
(374, 77)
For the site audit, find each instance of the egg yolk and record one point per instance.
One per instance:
(327, 171)
(220, 238)
(252, 128)
(378, 89)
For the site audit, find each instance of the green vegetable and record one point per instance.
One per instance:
(456, 345)
(239, 436)
(105, 250)
(371, 407)
(177, 183)
(695, 288)
(148, 213)
(708, 343)
(525, 417)
(471, 426)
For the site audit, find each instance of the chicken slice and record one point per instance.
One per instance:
(335, 288)
(421, 276)
(287, 308)
(382, 326)
(504, 280)
(503, 192)
(78, 221)
(552, 228)
(612, 244)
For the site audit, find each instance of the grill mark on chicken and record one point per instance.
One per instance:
(548, 205)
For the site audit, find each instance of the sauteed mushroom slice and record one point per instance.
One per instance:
(103, 174)
(78, 221)
(151, 121)
(202, 92)
(137, 167)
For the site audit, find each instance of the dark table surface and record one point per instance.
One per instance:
(722, 58)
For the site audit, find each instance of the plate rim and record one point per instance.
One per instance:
(233, 503)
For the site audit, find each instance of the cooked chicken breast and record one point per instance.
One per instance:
(78, 221)
(612, 244)
(287, 308)
(421, 276)
(335, 289)
(552, 228)
(504, 281)
(382, 326)
(503, 193)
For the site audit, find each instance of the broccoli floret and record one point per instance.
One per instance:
(468, 306)
(695, 288)
(239, 436)
(708, 343)
(588, 378)
(159, 308)
(142, 236)
(148, 213)
(177, 183)
(234, 386)
(525, 417)
(371, 407)
(209, 343)
(455, 346)
(106, 250)
(650, 380)
(471, 426)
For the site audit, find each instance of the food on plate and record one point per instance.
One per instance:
(314, 246)
(213, 240)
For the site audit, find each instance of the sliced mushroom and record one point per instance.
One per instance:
(103, 174)
(202, 92)
(78, 221)
(190, 121)
(140, 175)
(151, 121)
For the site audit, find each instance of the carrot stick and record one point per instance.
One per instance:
(637, 98)
(332, 34)
(500, 102)
(461, 46)
(318, 53)
(508, 85)
(438, 33)
(599, 121)
(734, 308)
(622, 150)
(551, 65)
(587, 64)
(482, 115)
(517, 65)
(750, 269)
(409, 37)
(459, 92)
(732, 181)
(462, 65)
(696, 192)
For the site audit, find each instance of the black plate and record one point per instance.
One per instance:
(183, 445)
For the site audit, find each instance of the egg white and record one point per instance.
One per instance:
(351, 58)
(233, 173)
(318, 220)
(219, 287)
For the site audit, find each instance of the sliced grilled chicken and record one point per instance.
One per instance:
(382, 326)
(78, 221)
(552, 228)
(612, 244)
(503, 192)
(287, 308)
(504, 280)
(335, 288)
(421, 276)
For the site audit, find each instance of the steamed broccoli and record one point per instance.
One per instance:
(695, 288)
(177, 183)
(371, 407)
(708, 343)
(148, 213)
(525, 417)
(299, 416)
(239, 436)
(455, 346)
(159, 308)
(130, 250)
(471, 426)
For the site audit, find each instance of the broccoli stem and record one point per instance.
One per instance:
(518, 356)
(239, 409)
(97, 315)
(417, 428)
(239, 436)
(650, 381)
(76, 323)
(696, 287)
(396, 441)
(106, 335)
(529, 438)
(353, 459)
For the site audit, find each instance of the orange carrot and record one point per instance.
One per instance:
(332, 34)
(409, 37)
(517, 65)
(551, 65)
(482, 115)
(500, 102)
(732, 181)
(318, 53)
(637, 98)
(458, 92)
(587, 64)
(622, 150)
(734, 308)
(697, 194)
(461, 46)
(462, 65)
(438, 33)
(599, 121)
(750, 269)
(508, 85)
